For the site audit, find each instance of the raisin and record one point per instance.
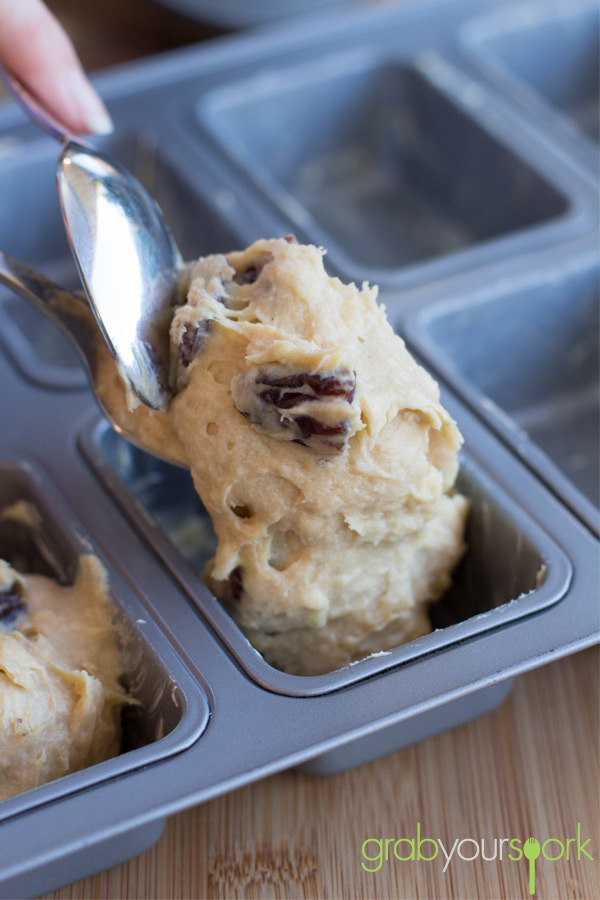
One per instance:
(236, 583)
(11, 604)
(192, 340)
(290, 238)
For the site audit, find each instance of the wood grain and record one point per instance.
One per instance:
(528, 769)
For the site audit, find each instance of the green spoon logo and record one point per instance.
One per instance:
(531, 851)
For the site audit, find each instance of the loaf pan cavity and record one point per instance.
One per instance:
(545, 52)
(172, 710)
(369, 159)
(511, 568)
(524, 352)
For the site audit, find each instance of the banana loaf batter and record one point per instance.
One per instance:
(320, 449)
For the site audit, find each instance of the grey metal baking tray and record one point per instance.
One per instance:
(244, 138)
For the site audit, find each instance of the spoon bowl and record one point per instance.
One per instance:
(126, 256)
(73, 316)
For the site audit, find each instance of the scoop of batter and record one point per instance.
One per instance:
(320, 449)
(60, 697)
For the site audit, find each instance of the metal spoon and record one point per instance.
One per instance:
(126, 256)
(72, 314)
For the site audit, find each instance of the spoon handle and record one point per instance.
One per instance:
(34, 109)
(67, 310)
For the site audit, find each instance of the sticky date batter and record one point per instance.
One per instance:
(60, 668)
(320, 449)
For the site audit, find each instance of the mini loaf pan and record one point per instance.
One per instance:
(522, 349)
(254, 732)
(173, 709)
(547, 57)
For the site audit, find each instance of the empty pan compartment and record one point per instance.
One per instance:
(547, 50)
(375, 163)
(511, 568)
(527, 356)
(172, 710)
(32, 230)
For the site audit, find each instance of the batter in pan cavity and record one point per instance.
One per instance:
(320, 449)
(60, 697)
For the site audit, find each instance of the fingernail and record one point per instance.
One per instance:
(89, 104)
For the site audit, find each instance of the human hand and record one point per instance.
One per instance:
(35, 48)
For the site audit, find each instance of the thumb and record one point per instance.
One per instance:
(34, 46)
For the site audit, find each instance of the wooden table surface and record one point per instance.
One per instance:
(528, 769)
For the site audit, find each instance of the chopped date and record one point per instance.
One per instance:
(192, 340)
(252, 272)
(11, 604)
(276, 403)
(236, 583)
(309, 426)
(332, 436)
(286, 392)
(246, 276)
(221, 294)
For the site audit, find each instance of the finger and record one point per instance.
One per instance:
(34, 46)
